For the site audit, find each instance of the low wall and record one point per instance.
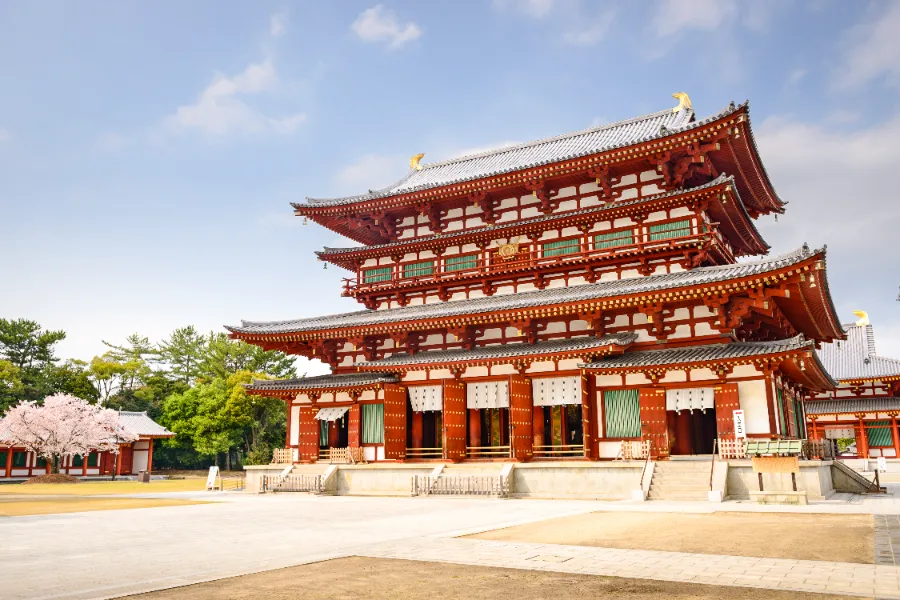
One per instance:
(814, 478)
(581, 480)
(378, 479)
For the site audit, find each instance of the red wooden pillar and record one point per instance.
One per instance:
(537, 420)
(474, 427)
(587, 411)
(417, 429)
(653, 421)
(354, 426)
(895, 435)
(119, 461)
(308, 430)
(9, 457)
(395, 421)
(454, 420)
(521, 418)
(149, 458)
(862, 440)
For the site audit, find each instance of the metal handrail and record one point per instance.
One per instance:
(644, 469)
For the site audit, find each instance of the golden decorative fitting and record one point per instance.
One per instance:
(684, 101)
(414, 162)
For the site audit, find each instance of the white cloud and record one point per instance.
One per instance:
(795, 76)
(377, 24)
(536, 9)
(589, 32)
(370, 172)
(5, 135)
(220, 111)
(675, 15)
(873, 51)
(842, 117)
(277, 25)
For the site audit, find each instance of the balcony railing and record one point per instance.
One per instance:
(489, 264)
(424, 453)
(569, 451)
(487, 452)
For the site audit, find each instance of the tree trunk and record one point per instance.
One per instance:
(54, 465)
(228, 460)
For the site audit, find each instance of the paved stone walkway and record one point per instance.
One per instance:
(63, 556)
(887, 539)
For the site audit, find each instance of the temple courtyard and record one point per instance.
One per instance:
(199, 545)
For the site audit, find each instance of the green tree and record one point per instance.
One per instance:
(262, 420)
(30, 349)
(10, 385)
(226, 357)
(71, 377)
(183, 354)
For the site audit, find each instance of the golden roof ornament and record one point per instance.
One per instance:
(510, 249)
(684, 101)
(414, 162)
(863, 317)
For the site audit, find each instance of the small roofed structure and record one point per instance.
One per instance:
(19, 463)
(866, 402)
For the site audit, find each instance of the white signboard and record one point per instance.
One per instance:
(882, 464)
(739, 430)
(211, 478)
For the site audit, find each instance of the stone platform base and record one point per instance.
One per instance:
(779, 497)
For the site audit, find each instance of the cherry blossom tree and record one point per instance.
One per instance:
(64, 426)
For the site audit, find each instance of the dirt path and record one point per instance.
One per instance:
(19, 507)
(840, 538)
(382, 579)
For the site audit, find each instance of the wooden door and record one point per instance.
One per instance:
(125, 456)
(587, 393)
(521, 415)
(394, 421)
(454, 434)
(727, 401)
(308, 429)
(653, 421)
(353, 426)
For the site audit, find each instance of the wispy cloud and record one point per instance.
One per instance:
(378, 24)
(5, 135)
(795, 76)
(277, 25)
(536, 9)
(676, 15)
(220, 109)
(590, 31)
(873, 51)
(370, 172)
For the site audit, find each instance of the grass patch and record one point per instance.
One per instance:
(15, 507)
(102, 488)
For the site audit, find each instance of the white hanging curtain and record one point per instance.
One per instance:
(836, 434)
(426, 397)
(556, 391)
(487, 394)
(332, 413)
(690, 399)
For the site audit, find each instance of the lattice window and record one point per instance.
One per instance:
(613, 239)
(20, 459)
(376, 275)
(622, 410)
(560, 247)
(372, 423)
(418, 269)
(878, 434)
(461, 263)
(664, 231)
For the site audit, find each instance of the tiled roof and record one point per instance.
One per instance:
(575, 293)
(503, 351)
(541, 152)
(830, 407)
(697, 354)
(322, 381)
(518, 224)
(855, 358)
(140, 424)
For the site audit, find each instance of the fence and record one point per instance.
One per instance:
(234, 483)
(634, 450)
(487, 451)
(283, 456)
(819, 449)
(561, 451)
(424, 453)
(460, 485)
(292, 483)
(347, 455)
(731, 449)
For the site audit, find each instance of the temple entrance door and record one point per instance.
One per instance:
(691, 431)
(394, 421)
(521, 415)
(454, 420)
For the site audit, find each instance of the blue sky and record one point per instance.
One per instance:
(148, 151)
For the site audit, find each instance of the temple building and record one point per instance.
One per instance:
(596, 295)
(20, 463)
(865, 405)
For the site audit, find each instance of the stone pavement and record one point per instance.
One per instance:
(113, 553)
(887, 539)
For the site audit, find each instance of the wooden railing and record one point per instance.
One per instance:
(489, 263)
(731, 449)
(632, 450)
(487, 452)
(292, 483)
(283, 456)
(460, 485)
(347, 455)
(819, 449)
(424, 453)
(560, 451)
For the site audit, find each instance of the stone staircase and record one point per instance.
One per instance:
(679, 480)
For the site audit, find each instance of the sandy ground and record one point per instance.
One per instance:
(99, 488)
(377, 579)
(840, 538)
(13, 506)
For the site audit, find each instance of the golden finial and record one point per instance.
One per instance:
(414, 162)
(863, 317)
(684, 101)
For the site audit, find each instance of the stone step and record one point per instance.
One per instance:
(670, 466)
(677, 496)
(680, 477)
(665, 489)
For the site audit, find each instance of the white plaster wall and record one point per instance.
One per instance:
(752, 396)
(415, 376)
(476, 372)
(745, 371)
(139, 462)
(295, 425)
(636, 379)
(608, 380)
(702, 375)
(674, 377)
(541, 367)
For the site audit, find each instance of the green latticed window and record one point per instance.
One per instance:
(376, 275)
(560, 247)
(461, 263)
(418, 269)
(613, 239)
(77, 460)
(622, 411)
(323, 434)
(879, 434)
(372, 423)
(664, 231)
(781, 420)
(19, 459)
